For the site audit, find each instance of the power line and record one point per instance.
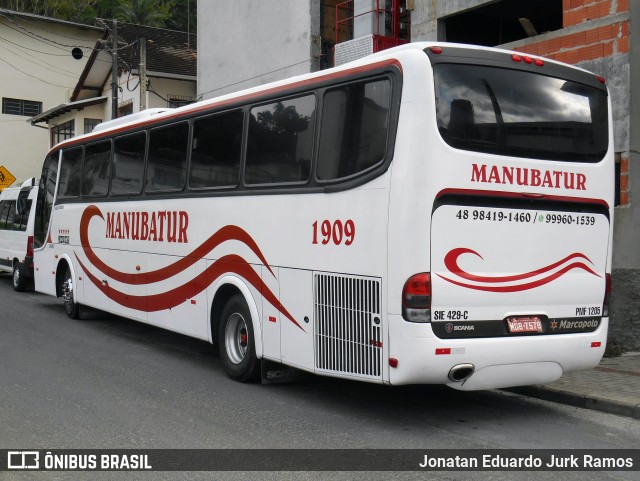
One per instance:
(42, 38)
(253, 78)
(33, 76)
(48, 65)
(34, 50)
(52, 32)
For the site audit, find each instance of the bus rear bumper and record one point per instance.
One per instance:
(498, 362)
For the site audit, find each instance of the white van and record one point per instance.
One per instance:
(17, 211)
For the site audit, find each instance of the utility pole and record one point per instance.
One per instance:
(114, 71)
(143, 74)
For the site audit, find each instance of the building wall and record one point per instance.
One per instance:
(164, 88)
(597, 36)
(130, 93)
(167, 89)
(78, 116)
(32, 68)
(251, 42)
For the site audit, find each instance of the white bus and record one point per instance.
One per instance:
(16, 232)
(429, 214)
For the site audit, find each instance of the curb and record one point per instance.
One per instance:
(587, 401)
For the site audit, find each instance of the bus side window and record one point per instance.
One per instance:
(355, 128)
(280, 141)
(69, 185)
(95, 171)
(128, 164)
(167, 160)
(215, 150)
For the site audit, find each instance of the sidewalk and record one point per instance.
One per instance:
(613, 387)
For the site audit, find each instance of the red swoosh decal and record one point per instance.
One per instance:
(175, 297)
(230, 232)
(451, 262)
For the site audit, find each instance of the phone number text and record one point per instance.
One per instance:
(525, 217)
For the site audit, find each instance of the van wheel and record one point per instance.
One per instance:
(72, 308)
(237, 342)
(19, 282)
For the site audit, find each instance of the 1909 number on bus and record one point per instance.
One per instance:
(336, 231)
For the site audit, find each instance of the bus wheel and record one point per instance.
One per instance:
(236, 341)
(72, 308)
(19, 283)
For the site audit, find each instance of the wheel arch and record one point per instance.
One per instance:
(63, 263)
(225, 288)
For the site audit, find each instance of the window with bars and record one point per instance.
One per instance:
(27, 108)
(176, 101)
(90, 124)
(62, 132)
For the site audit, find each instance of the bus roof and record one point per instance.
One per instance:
(395, 54)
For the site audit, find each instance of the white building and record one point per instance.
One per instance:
(41, 59)
(171, 80)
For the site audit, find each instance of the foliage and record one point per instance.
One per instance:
(173, 14)
(153, 13)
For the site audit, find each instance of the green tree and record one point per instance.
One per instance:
(183, 16)
(174, 14)
(153, 13)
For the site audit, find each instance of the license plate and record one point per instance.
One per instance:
(524, 324)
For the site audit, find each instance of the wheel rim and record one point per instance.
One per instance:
(67, 293)
(16, 276)
(236, 338)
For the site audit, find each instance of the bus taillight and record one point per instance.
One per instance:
(416, 298)
(30, 246)
(607, 294)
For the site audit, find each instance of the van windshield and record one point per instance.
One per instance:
(520, 113)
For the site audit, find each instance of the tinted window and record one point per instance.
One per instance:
(70, 173)
(95, 171)
(128, 164)
(355, 128)
(167, 158)
(215, 154)
(4, 208)
(22, 215)
(280, 141)
(11, 213)
(44, 204)
(510, 112)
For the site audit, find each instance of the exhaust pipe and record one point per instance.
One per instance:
(461, 372)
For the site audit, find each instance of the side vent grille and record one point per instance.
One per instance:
(348, 328)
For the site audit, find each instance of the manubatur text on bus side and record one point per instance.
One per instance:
(556, 179)
(160, 226)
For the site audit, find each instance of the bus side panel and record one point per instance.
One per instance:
(271, 317)
(172, 305)
(296, 294)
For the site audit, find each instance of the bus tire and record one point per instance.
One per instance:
(237, 342)
(20, 282)
(72, 307)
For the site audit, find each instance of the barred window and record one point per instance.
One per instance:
(27, 108)
(90, 124)
(62, 132)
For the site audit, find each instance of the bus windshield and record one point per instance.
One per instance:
(519, 113)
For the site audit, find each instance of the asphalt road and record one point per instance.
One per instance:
(106, 382)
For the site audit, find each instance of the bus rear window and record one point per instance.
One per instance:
(521, 114)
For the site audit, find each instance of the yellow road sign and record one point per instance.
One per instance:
(6, 178)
